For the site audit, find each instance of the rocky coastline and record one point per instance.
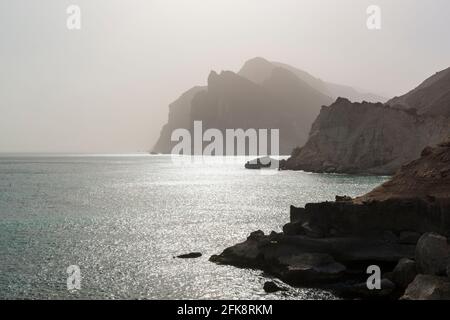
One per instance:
(376, 138)
(399, 227)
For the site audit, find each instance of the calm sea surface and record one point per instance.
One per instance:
(121, 219)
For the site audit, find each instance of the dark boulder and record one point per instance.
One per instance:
(310, 268)
(409, 237)
(432, 254)
(404, 273)
(191, 255)
(361, 290)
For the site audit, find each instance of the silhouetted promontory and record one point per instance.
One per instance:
(262, 95)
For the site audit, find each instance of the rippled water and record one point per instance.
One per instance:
(123, 218)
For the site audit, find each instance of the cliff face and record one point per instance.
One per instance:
(372, 138)
(262, 95)
(432, 97)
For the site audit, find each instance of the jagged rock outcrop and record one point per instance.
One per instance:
(366, 138)
(262, 95)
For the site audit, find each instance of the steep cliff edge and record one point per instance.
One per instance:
(366, 138)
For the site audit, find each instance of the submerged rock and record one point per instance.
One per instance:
(271, 287)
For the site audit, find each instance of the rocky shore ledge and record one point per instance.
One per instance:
(400, 227)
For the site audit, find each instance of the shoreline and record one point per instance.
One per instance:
(332, 245)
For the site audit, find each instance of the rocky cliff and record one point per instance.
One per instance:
(432, 97)
(376, 138)
(395, 228)
(262, 94)
(366, 138)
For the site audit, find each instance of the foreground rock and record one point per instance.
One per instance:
(432, 97)
(191, 255)
(428, 287)
(360, 290)
(432, 253)
(332, 244)
(261, 163)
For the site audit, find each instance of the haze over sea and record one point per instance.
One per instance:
(121, 219)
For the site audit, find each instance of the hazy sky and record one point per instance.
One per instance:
(106, 87)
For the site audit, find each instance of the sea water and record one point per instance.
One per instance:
(122, 218)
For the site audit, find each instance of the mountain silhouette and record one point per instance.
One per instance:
(262, 95)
